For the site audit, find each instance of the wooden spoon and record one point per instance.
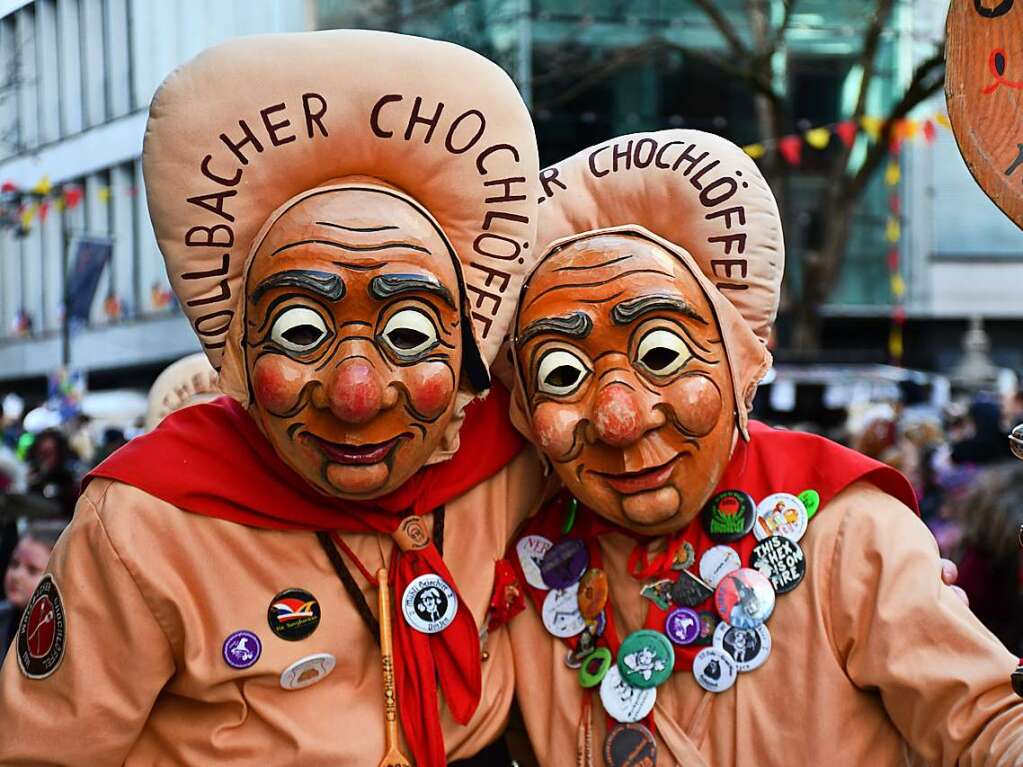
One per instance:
(393, 757)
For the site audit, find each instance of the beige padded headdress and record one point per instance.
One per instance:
(251, 124)
(699, 196)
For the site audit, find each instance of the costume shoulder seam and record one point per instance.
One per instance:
(88, 503)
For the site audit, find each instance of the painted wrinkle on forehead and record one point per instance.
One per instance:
(305, 239)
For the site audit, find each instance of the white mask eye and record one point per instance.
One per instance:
(560, 373)
(662, 352)
(298, 330)
(409, 333)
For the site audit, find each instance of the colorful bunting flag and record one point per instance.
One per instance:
(756, 151)
(872, 126)
(43, 187)
(818, 138)
(893, 173)
(791, 148)
(104, 194)
(892, 230)
(929, 133)
(847, 132)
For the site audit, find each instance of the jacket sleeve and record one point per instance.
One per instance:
(116, 658)
(943, 678)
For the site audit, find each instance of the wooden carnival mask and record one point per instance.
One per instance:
(641, 334)
(984, 91)
(346, 240)
(354, 338)
(626, 379)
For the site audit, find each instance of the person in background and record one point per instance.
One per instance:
(25, 570)
(986, 441)
(50, 472)
(989, 514)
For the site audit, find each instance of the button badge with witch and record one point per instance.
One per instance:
(429, 604)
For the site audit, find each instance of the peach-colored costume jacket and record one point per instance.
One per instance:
(874, 662)
(145, 683)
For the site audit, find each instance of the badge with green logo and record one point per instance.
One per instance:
(646, 659)
(729, 516)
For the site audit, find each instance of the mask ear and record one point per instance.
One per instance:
(472, 360)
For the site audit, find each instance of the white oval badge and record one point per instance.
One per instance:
(749, 648)
(429, 604)
(781, 514)
(561, 614)
(531, 550)
(714, 669)
(307, 671)
(623, 702)
(717, 562)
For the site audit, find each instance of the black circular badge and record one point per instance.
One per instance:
(42, 633)
(630, 745)
(689, 591)
(294, 614)
(729, 516)
(781, 561)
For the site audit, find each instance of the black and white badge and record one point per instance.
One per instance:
(714, 669)
(429, 604)
(781, 561)
(560, 613)
(749, 648)
(623, 702)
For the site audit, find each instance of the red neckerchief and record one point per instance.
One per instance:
(212, 459)
(772, 461)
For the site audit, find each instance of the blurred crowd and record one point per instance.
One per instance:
(969, 486)
(970, 490)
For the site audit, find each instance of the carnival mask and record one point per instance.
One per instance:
(354, 338)
(626, 379)
(984, 89)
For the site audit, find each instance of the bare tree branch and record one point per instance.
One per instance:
(779, 33)
(724, 26)
(928, 79)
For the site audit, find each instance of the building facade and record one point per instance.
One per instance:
(76, 77)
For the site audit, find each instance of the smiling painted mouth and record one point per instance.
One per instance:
(355, 455)
(632, 482)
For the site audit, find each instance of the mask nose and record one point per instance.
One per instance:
(617, 416)
(355, 394)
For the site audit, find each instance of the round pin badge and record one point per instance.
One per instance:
(623, 702)
(729, 516)
(689, 591)
(564, 564)
(531, 550)
(429, 604)
(242, 649)
(646, 658)
(781, 514)
(42, 632)
(684, 558)
(593, 591)
(561, 616)
(708, 624)
(714, 669)
(307, 671)
(630, 745)
(682, 625)
(594, 666)
(781, 561)
(717, 562)
(812, 500)
(293, 614)
(744, 598)
(749, 648)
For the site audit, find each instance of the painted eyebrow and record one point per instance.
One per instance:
(627, 311)
(574, 325)
(389, 285)
(354, 248)
(325, 284)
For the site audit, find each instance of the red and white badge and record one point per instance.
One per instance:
(42, 633)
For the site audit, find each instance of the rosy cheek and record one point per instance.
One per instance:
(277, 383)
(431, 387)
(697, 403)
(554, 426)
